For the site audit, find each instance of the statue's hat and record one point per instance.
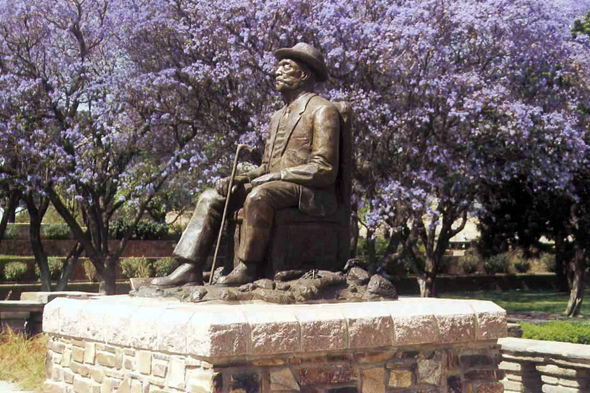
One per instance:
(306, 54)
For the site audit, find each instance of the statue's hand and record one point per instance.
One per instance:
(222, 184)
(266, 178)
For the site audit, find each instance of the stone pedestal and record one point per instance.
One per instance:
(124, 344)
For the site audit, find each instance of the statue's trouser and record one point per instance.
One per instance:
(259, 208)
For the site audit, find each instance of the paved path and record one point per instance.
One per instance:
(7, 387)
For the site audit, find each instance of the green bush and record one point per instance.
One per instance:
(557, 331)
(496, 264)
(165, 266)
(56, 231)
(549, 261)
(55, 266)
(469, 264)
(11, 232)
(145, 230)
(136, 267)
(15, 271)
(522, 266)
(90, 272)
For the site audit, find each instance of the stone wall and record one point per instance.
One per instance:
(545, 366)
(122, 344)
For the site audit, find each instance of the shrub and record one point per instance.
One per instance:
(469, 264)
(497, 264)
(56, 231)
(522, 266)
(145, 230)
(90, 272)
(15, 271)
(55, 266)
(165, 266)
(548, 260)
(136, 267)
(557, 331)
(11, 232)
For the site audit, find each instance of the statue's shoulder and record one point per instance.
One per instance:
(319, 102)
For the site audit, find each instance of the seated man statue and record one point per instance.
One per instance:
(299, 169)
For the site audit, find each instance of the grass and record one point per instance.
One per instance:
(22, 360)
(525, 301)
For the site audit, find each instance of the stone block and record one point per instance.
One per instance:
(273, 332)
(400, 378)
(201, 381)
(549, 380)
(456, 322)
(51, 317)
(80, 369)
(491, 320)
(368, 327)
(70, 311)
(176, 373)
(57, 347)
(430, 370)
(245, 382)
(57, 373)
(559, 389)
(378, 357)
(217, 332)
(510, 366)
(83, 385)
(144, 361)
(552, 369)
(145, 325)
(97, 374)
(106, 359)
(283, 379)
(129, 364)
(414, 323)
(118, 323)
(159, 368)
(493, 387)
(322, 329)
(173, 329)
(68, 376)
(481, 375)
(93, 320)
(67, 357)
(78, 354)
(130, 386)
(373, 380)
(89, 353)
(109, 385)
(326, 374)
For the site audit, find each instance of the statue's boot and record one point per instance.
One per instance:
(186, 273)
(242, 274)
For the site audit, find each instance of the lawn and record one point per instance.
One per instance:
(526, 301)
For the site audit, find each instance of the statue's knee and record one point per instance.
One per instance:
(255, 197)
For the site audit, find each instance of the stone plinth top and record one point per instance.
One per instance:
(220, 330)
(579, 353)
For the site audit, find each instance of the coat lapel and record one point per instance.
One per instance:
(295, 116)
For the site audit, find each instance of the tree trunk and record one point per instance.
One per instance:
(560, 265)
(372, 254)
(68, 267)
(10, 208)
(354, 233)
(578, 265)
(109, 283)
(426, 284)
(36, 217)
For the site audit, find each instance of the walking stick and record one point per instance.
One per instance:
(229, 191)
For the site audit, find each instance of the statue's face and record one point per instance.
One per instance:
(288, 75)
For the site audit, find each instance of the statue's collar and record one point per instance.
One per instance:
(300, 104)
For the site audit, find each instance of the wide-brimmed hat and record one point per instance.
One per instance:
(307, 54)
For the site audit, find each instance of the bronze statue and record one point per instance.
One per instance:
(299, 169)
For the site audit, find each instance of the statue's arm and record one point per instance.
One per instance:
(322, 168)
